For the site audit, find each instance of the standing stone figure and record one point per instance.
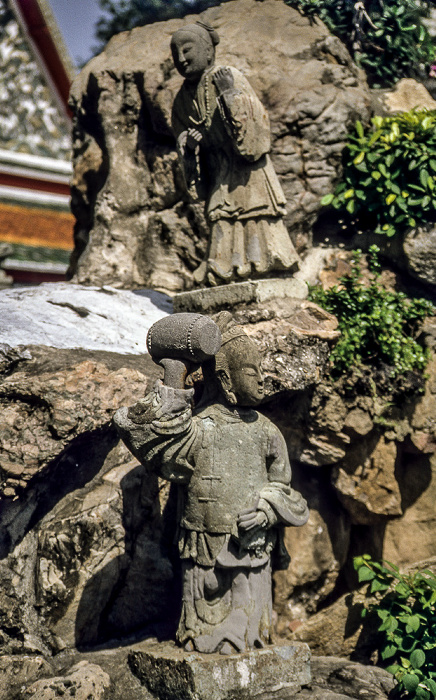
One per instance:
(223, 139)
(233, 474)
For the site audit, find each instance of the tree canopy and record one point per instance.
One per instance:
(120, 15)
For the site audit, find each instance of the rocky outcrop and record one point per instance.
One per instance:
(338, 679)
(135, 225)
(408, 94)
(82, 682)
(78, 514)
(86, 533)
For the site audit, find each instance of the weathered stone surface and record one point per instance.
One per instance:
(407, 94)
(71, 316)
(19, 670)
(412, 537)
(272, 673)
(81, 531)
(135, 226)
(228, 296)
(420, 250)
(338, 679)
(84, 681)
(366, 482)
(336, 630)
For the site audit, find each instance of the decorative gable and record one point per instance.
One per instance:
(31, 120)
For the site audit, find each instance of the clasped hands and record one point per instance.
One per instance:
(252, 519)
(191, 138)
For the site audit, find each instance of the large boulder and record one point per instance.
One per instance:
(135, 225)
(78, 513)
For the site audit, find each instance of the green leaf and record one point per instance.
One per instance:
(413, 622)
(365, 574)
(358, 159)
(417, 658)
(389, 651)
(359, 129)
(423, 177)
(327, 199)
(431, 685)
(391, 198)
(410, 682)
(393, 668)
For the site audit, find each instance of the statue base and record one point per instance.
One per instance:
(274, 673)
(214, 299)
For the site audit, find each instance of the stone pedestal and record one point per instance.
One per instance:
(226, 296)
(274, 673)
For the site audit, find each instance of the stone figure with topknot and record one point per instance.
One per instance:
(223, 139)
(231, 467)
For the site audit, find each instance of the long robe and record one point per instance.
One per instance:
(224, 460)
(232, 172)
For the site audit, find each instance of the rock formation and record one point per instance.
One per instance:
(135, 226)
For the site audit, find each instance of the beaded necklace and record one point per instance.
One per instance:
(205, 118)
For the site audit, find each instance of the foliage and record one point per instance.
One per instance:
(385, 37)
(406, 607)
(121, 15)
(377, 325)
(389, 180)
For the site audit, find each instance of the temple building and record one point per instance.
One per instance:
(35, 143)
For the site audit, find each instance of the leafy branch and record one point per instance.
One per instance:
(406, 607)
(377, 325)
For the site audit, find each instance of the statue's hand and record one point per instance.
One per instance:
(193, 139)
(251, 519)
(171, 402)
(223, 80)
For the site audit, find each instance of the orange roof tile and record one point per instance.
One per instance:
(37, 227)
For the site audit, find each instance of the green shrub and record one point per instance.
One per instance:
(385, 37)
(389, 181)
(377, 326)
(406, 607)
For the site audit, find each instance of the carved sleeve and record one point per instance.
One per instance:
(288, 505)
(245, 119)
(160, 432)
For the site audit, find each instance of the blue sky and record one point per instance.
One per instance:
(76, 20)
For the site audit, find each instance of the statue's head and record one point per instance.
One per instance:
(193, 49)
(237, 365)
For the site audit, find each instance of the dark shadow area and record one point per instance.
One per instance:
(159, 299)
(80, 462)
(413, 473)
(138, 594)
(83, 205)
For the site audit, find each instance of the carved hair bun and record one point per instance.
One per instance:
(212, 33)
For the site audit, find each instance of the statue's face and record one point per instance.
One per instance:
(246, 378)
(191, 55)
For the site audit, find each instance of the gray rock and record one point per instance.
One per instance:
(19, 670)
(62, 315)
(275, 673)
(349, 680)
(84, 681)
(420, 250)
(135, 225)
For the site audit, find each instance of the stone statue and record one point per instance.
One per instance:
(233, 474)
(223, 139)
